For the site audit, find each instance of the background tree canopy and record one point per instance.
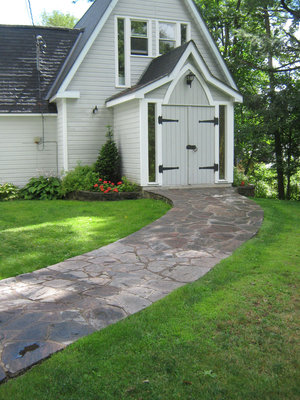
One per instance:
(59, 19)
(258, 39)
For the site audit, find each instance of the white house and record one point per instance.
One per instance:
(150, 69)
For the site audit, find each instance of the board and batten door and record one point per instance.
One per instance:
(187, 145)
(201, 133)
(174, 155)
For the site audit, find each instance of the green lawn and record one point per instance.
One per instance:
(234, 334)
(36, 234)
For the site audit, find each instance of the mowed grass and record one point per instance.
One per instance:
(36, 234)
(234, 334)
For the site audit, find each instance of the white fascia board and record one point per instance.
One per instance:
(211, 42)
(27, 115)
(87, 46)
(66, 95)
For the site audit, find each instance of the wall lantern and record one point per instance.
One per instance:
(189, 79)
(95, 110)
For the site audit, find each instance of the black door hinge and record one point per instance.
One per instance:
(215, 167)
(161, 168)
(161, 120)
(214, 121)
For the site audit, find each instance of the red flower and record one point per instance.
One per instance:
(242, 183)
(119, 183)
(105, 182)
(106, 191)
(115, 190)
(112, 184)
(96, 185)
(100, 180)
(102, 188)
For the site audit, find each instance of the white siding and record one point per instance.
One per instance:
(95, 78)
(22, 159)
(218, 95)
(59, 136)
(127, 136)
(184, 94)
(158, 93)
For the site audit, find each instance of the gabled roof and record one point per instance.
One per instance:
(161, 69)
(19, 81)
(92, 23)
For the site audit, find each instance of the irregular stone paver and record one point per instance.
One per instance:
(42, 312)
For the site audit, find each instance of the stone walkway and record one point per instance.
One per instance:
(44, 311)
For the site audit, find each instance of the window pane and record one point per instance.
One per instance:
(222, 142)
(121, 51)
(166, 45)
(167, 30)
(139, 46)
(138, 28)
(151, 143)
(183, 28)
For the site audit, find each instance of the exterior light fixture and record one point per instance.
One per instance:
(189, 79)
(95, 110)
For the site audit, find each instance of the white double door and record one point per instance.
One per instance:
(188, 141)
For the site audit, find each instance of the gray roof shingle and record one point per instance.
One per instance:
(19, 80)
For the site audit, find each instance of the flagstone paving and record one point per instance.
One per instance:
(44, 311)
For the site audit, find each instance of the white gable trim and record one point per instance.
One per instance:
(87, 47)
(190, 50)
(210, 40)
(188, 67)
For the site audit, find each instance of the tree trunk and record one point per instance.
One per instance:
(277, 133)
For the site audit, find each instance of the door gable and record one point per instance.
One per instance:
(180, 92)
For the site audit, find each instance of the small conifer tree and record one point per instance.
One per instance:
(108, 164)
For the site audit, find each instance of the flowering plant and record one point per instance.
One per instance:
(106, 186)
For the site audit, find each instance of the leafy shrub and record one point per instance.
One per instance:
(83, 177)
(128, 186)
(108, 164)
(8, 191)
(239, 177)
(124, 185)
(42, 188)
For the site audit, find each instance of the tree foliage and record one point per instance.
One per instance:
(108, 164)
(58, 19)
(258, 39)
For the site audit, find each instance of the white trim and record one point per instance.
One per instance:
(87, 47)
(188, 67)
(211, 42)
(143, 142)
(65, 135)
(159, 145)
(217, 144)
(27, 115)
(66, 95)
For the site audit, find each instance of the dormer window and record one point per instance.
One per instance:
(139, 38)
(167, 37)
(171, 35)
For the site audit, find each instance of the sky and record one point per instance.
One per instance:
(16, 12)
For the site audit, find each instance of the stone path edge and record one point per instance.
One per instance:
(44, 311)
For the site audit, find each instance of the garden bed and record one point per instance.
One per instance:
(100, 196)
